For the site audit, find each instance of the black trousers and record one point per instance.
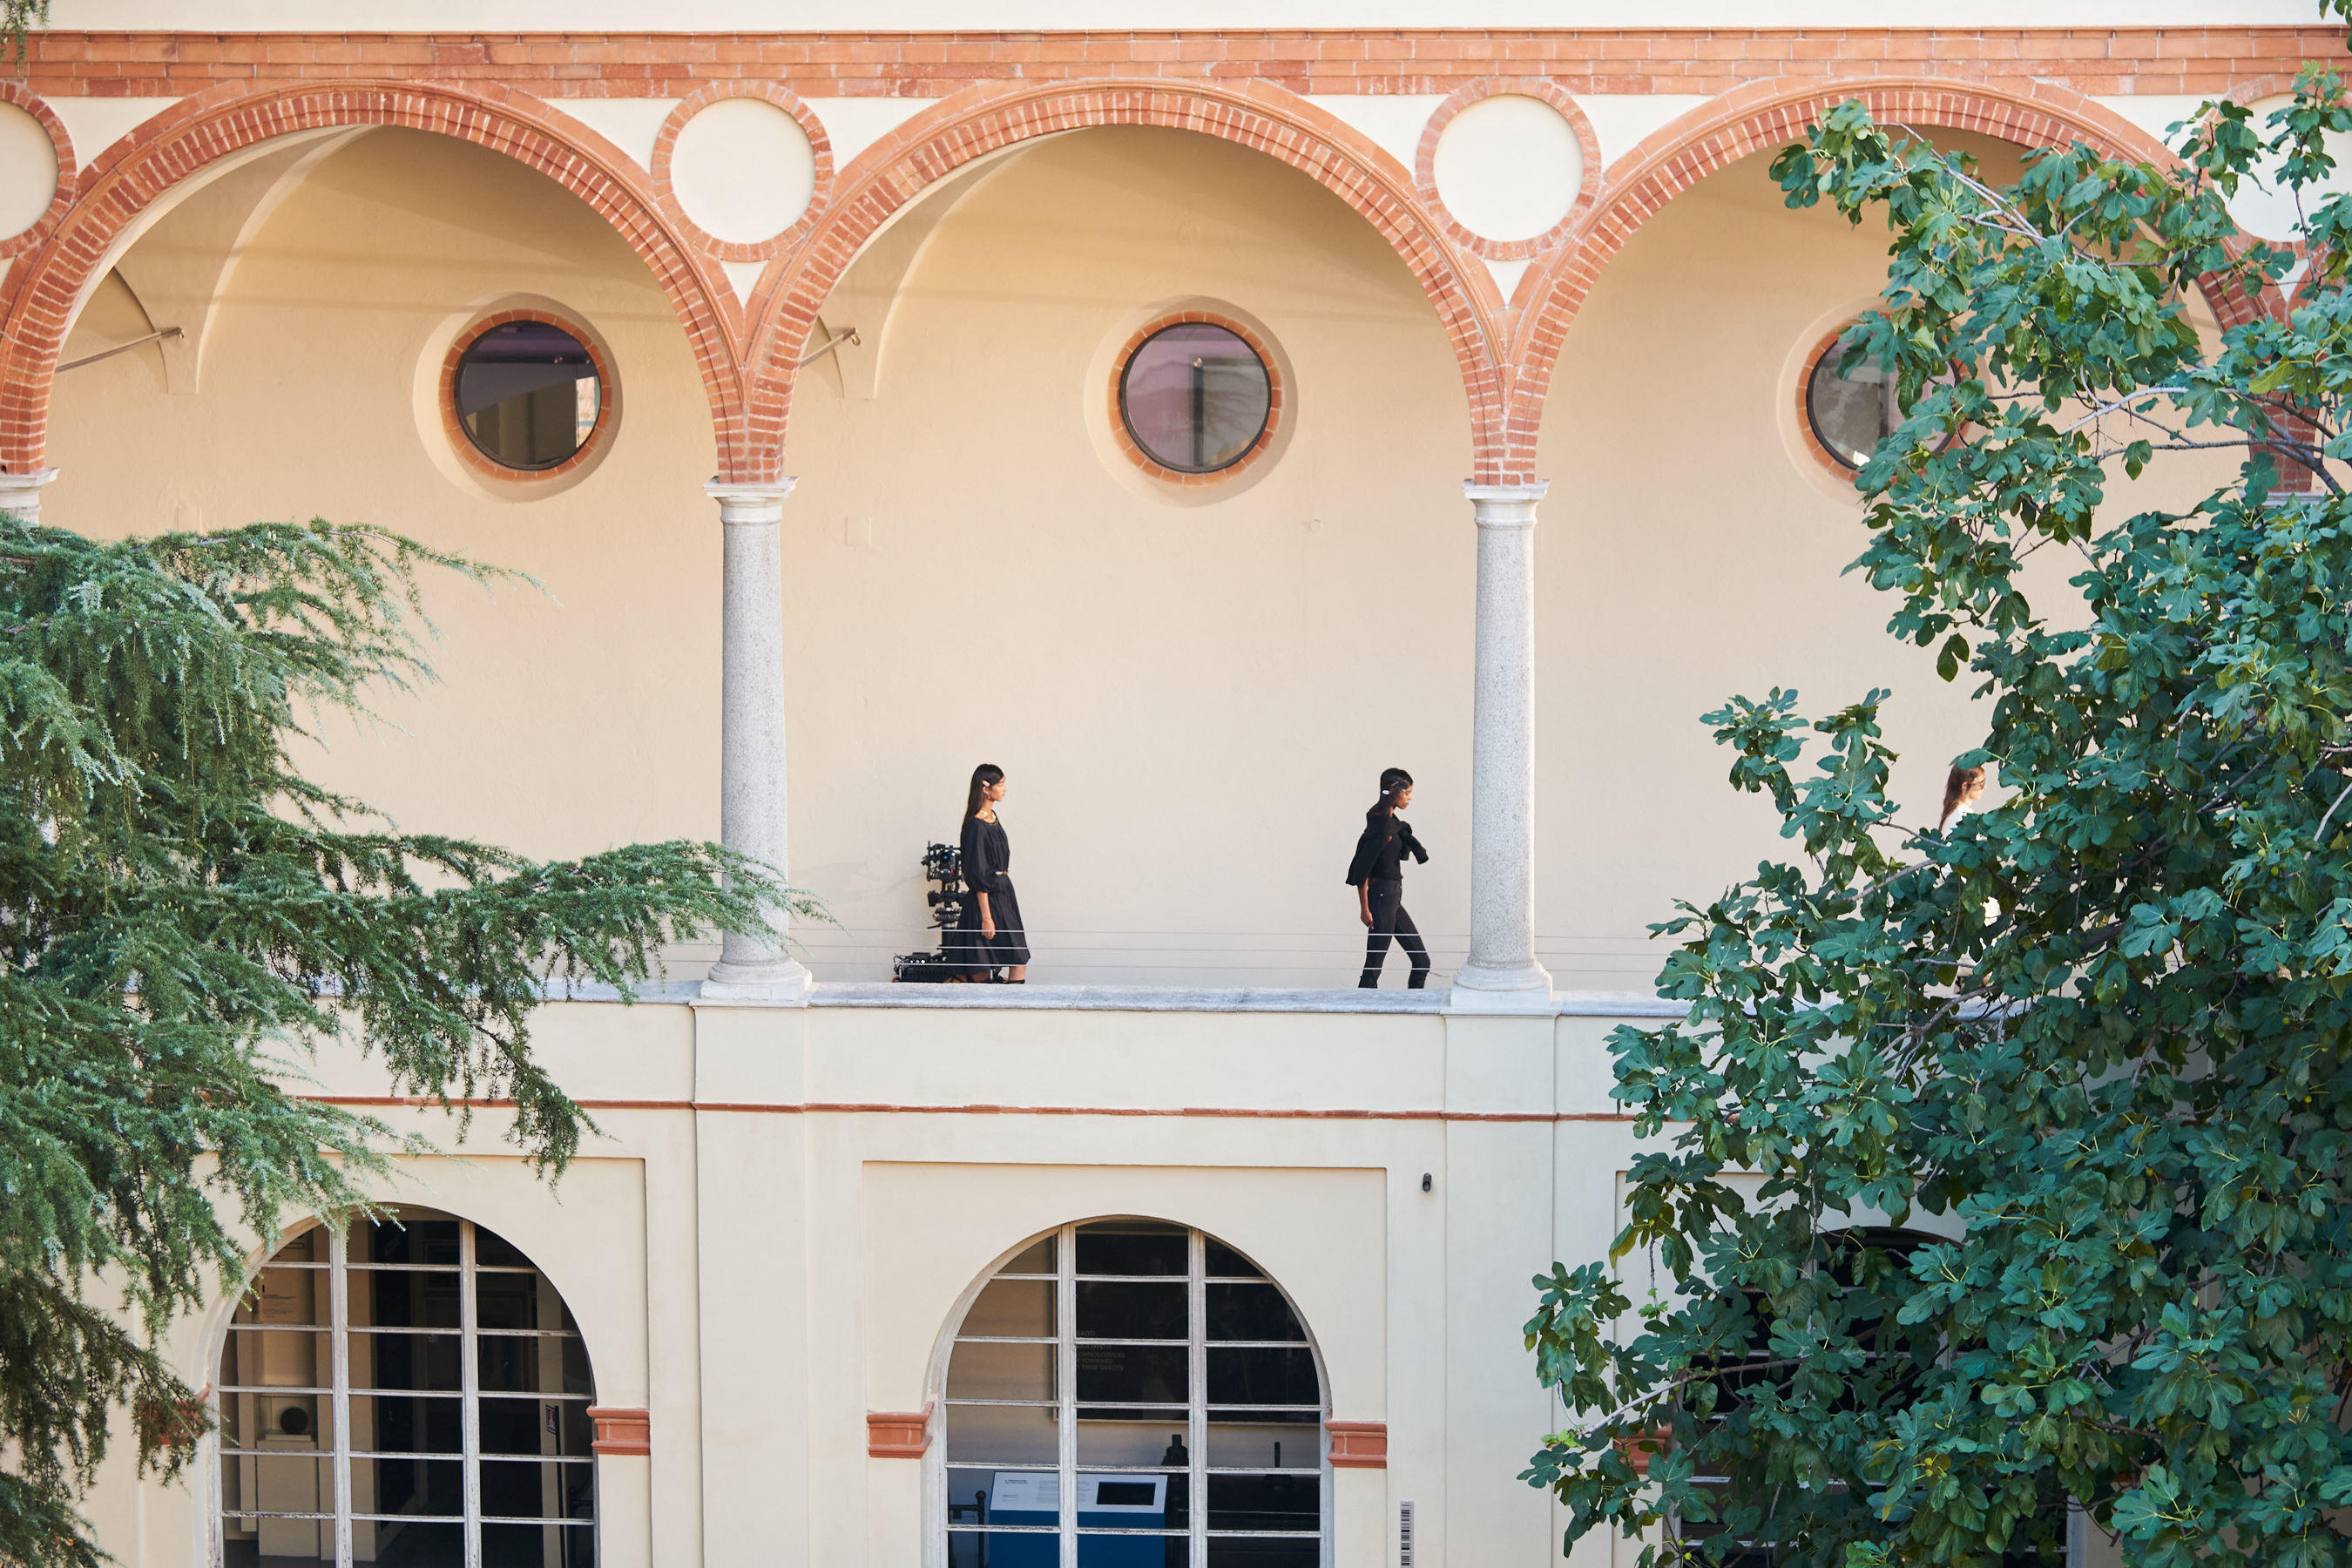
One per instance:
(1389, 918)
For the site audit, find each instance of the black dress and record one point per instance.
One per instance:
(986, 853)
(1379, 868)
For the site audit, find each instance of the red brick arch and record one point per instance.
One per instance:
(1764, 116)
(896, 171)
(121, 182)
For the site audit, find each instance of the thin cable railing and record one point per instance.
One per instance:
(1097, 955)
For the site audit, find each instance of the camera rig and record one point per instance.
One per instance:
(943, 870)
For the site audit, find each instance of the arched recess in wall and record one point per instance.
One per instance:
(194, 140)
(1130, 1374)
(948, 137)
(409, 1384)
(1762, 118)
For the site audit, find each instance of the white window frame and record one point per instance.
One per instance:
(339, 1328)
(1065, 1339)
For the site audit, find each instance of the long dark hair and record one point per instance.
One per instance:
(982, 776)
(1393, 782)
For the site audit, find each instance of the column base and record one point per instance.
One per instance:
(778, 982)
(1478, 989)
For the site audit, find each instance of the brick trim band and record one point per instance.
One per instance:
(899, 1434)
(621, 1431)
(1359, 1444)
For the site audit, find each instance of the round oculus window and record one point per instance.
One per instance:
(1195, 397)
(528, 395)
(1852, 413)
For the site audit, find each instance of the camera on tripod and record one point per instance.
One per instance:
(949, 898)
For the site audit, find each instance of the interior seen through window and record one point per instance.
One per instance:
(408, 1390)
(528, 395)
(1195, 397)
(1131, 1394)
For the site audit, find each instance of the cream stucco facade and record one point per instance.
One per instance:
(805, 1182)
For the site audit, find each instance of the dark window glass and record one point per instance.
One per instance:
(1124, 1374)
(1195, 397)
(1118, 1310)
(1849, 412)
(1131, 1248)
(1250, 1312)
(1263, 1377)
(528, 395)
(1224, 1262)
(1267, 1502)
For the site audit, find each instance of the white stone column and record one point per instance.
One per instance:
(1502, 974)
(752, 728)
(21, 493)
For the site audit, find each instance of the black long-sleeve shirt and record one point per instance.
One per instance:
(1381, 852)
(986, 855)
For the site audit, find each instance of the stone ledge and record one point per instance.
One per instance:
(1134, 999)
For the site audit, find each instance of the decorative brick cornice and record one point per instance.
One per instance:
(899, 1434)
(2147, 59)
(1359, 1444)
(620, 1431)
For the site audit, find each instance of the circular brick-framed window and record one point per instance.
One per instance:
(1845, 413)
(527, 395)
(1195, 398)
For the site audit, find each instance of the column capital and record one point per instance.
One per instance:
(21, 493)
(753, 503)
(1504, 506)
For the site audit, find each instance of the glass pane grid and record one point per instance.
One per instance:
(1119, 1385)
(342, 1444)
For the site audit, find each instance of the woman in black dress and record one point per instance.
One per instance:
(1377, 873)
(989, 936)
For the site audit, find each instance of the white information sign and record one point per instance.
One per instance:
(1025, 1491)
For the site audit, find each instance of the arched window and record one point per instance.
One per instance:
(407, 1390)
(1107, 1377)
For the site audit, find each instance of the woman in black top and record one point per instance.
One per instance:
(989, 936)
(1377, 873)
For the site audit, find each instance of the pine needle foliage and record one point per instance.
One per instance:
(2092, 1045)
(183, 916)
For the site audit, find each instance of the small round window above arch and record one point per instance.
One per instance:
(408, 1387)
(1141, 1391)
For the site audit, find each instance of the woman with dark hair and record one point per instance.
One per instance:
(1377, 873)
(989, 936)
(1965, 786)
